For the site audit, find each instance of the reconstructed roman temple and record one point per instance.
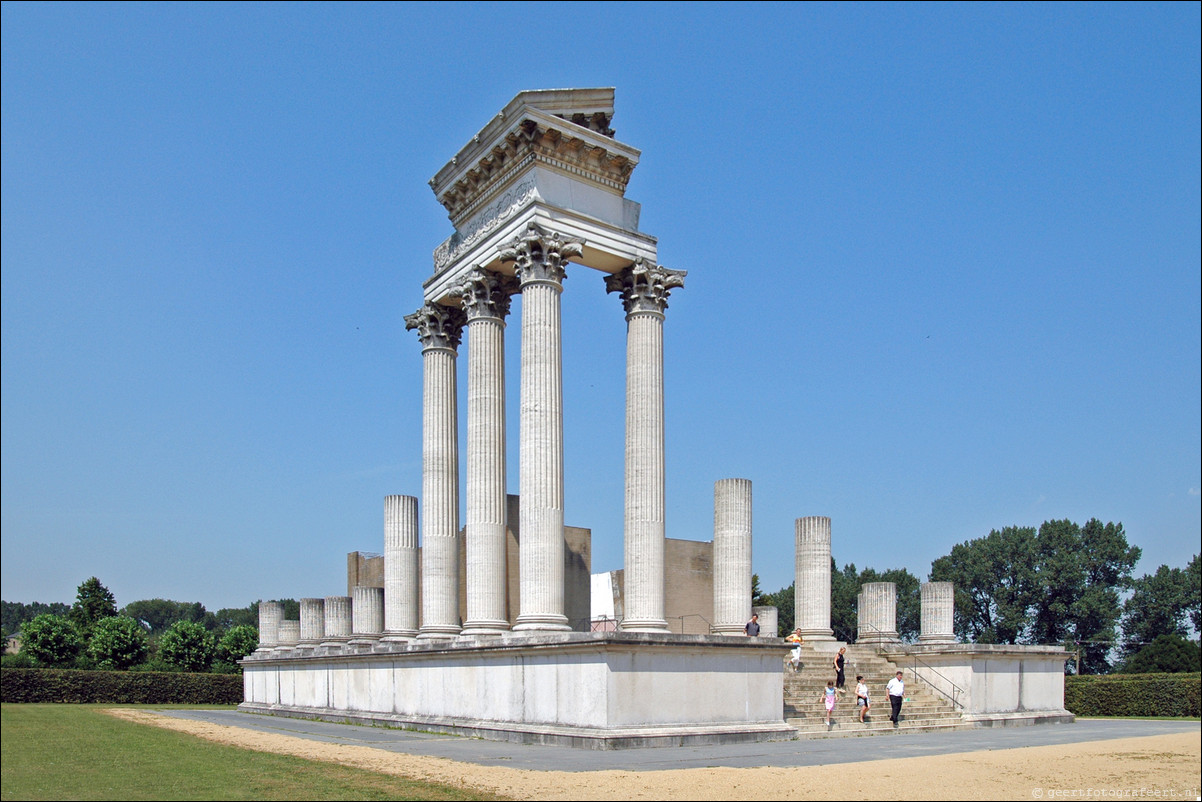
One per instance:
(540, 187)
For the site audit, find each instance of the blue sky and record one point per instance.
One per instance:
(943, 275)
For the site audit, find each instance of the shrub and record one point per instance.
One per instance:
(117, 643)
(188, 646)
(19, 660)
(117, 687)
(50, 640)
(1134, 695)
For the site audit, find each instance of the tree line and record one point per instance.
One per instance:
(1062, 583)
(147, 635)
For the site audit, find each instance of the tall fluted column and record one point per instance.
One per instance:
(877, 613)
(338, 621)
(539, 258)
(812, 591)
(439, 328)
(644, 291)
(400, 568)
(270, 616)
(732, 556)
(485, 298)
(938, 608)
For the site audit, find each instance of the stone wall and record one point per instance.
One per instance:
(367, 570)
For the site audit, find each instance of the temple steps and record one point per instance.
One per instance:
(804, 689)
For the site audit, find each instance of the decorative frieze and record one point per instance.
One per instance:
(497, 213)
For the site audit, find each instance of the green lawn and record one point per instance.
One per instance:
(76, 752)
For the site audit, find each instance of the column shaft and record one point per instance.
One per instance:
(486, 303)
(400, 568)
(289, 635)
(732, 556)
(312, 621)
(270, 616)
(337, 621)
(367, 614)
(541, 457)
(439, 329)
(644, 290)
(938, 613)
(877, 613)
(539, 258)
(812, 591)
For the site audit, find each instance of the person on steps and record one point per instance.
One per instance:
(862, 697)
(897, 692)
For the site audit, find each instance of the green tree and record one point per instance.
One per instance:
(237, 643)
(157, 615)
(17, 613)
(782, 600)
(1158, 605)
(188, 646)
(230, 617)
(93, 602)
(1193, 575)
(994, 580)
(845, 586)
(1078, 574)
(117, 643)
(51, 640)
(1170, 654)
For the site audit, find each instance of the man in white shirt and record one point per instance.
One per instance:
(897, 692)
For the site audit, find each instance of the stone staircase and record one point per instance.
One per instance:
(924, 710)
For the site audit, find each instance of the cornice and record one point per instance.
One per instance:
(539, 138)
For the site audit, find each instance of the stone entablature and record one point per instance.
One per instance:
(549, 158)
(609, 245)
(566, 129)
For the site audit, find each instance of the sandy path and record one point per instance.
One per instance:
(1156, 767)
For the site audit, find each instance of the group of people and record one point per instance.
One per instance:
(895, 689)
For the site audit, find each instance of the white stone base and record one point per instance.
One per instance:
(994, 685)
(602, 690)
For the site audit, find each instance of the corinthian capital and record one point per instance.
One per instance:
(485, 294)
(645, 287)
(540, 255)
(437, 326)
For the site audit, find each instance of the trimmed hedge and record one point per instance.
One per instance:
(118, 687)
(1134, 695)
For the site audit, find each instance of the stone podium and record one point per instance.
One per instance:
(536, 196)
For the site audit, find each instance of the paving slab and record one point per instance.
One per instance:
(779, 753)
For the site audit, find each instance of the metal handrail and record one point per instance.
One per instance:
(956, 689)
